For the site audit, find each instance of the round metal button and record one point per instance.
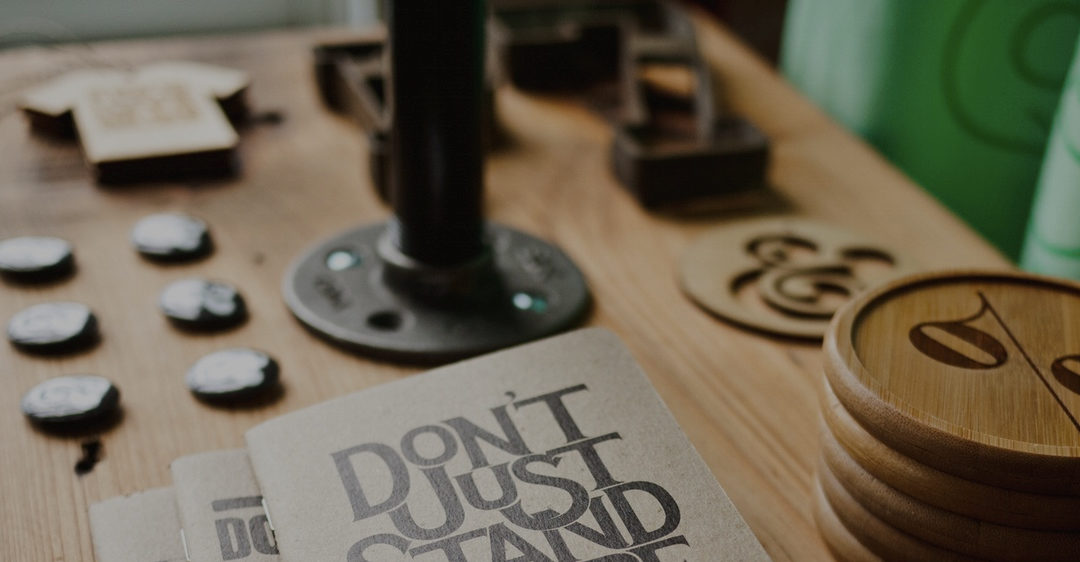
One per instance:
(202, 305)
(70, 399)
(54, 327)
(171, 237)
(235, 374)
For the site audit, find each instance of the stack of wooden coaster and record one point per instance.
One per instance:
(950, 421)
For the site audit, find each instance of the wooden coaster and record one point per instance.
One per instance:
(972, 373)
(154, 122)
(939, 489)
(843, 545)
(783, 276)
(880, 538)
(936, 526)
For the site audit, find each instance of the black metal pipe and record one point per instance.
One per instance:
(437, 158)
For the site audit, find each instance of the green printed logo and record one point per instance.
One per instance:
(1003, 69)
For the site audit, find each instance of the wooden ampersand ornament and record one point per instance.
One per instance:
(783, 276)
(976, 374)
(158, 121)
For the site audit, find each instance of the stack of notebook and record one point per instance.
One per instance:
(555, 451)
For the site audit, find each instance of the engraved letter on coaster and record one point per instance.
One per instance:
(221, 508)
(783, 276)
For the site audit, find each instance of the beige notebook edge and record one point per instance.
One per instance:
(220, 507)
(136, 528)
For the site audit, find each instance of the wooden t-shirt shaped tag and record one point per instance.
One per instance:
(160, 121)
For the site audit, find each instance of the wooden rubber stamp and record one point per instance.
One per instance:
(159, 121)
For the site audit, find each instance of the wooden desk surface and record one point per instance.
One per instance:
(749, 403)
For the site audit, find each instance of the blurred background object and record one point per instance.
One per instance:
(1052, 245)
(960, 94)
(35, 21)
(757, 22)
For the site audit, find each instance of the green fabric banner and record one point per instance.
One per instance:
(960, 94)
(1053, 239)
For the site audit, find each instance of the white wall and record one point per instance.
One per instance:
(36, 21)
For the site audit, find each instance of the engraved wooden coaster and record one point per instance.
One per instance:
(158, 121)
(972, 373)
(880, 538)
(843, 545)
(943, 528)
(923, 483)
(783, 276)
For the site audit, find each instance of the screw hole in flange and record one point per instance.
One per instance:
(530, 301)
(342, 259)
(385, 320)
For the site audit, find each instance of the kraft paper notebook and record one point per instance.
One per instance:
(142, 527)
(220, 508)
(555, 451)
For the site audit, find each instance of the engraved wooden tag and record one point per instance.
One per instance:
(783, 276)
(976, 374)
(155, 122)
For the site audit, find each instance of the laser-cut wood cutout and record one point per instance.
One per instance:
(160, 121)
(972, 373)
(783, 276)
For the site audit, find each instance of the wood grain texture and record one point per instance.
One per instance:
(943, 528)
(968, 372)
(840, 541)
(876, 535)
(747, 402)
(965, 497)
